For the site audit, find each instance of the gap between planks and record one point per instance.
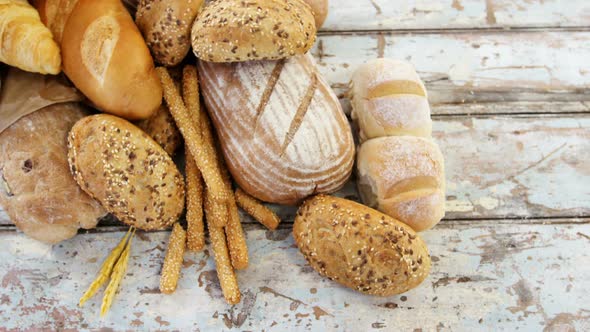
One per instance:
(442, 31)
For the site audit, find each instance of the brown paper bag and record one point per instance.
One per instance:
(24, 93)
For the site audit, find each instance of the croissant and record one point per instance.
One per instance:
(25, 42)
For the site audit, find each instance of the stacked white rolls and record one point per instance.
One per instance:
(400, 169)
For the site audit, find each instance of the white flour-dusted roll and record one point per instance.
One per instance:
(388, 98)
(282, 130)
(401, 171)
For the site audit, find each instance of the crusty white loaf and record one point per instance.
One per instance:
(106, 57)
(359, 247)
(320, 11)
(404, 177)
(237, 30)
(282, 130)
(54, 14)
(388, 98)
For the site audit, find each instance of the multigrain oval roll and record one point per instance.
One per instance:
(126, 171)
(359, 247)
(281, 128)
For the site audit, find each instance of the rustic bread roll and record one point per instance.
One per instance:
(166, 26)
(54, 14)
(404, 177)
(126, 171)
(37, 190)
(388, 98)
(359, 247)
(236, 30)
(106, 57)
(162, 128)
(320, 11)
(281, 128)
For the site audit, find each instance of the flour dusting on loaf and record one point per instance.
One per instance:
(283, 146)
(98, 45)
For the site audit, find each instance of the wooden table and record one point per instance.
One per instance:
(509, 87)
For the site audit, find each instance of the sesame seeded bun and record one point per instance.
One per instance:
(359, 247)
(126, 171)
(166, 27)
(237, 30)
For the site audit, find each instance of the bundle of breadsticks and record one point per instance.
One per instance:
(208, 190)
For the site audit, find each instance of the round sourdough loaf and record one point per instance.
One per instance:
(166, 26)
(359, 247)
(404, 177)
(237, 30)
(126, 171)
(106, 57)
(281, 128)
(37, 190)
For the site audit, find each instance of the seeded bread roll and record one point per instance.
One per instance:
(166, 26)
(320, 11)
(359, 247)
(404, 177)
(236, 30)
(37, 190)
(162, 128)
(126, 171)
(106, 57)
(388, 98)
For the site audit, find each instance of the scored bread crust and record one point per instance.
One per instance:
(54, 14)
(359, 247)
(404, 177)
(126, 171)
(281, 128)
(237, 30)
(106, 57)
(37, 190)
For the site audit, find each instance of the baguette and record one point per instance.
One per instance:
(106, 57)
(281, 128)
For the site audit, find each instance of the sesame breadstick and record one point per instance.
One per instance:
(116, 278)
(195, 233)
(257, 210)
(106, 269)
(173, 260)
(190, 95)
(225, 271)
(210, 172)
(236, 241)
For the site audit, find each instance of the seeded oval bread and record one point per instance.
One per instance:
(37, 190)
(359, 247)
(126, 171)
(237, 30)
(166, 27)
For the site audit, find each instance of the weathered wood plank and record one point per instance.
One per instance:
(472, 66)
(507, 166)
(490, 277)
(454, 14)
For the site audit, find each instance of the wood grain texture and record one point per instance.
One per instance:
(469, 66)
(520, 166)
(454, 14)
(486, 277)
